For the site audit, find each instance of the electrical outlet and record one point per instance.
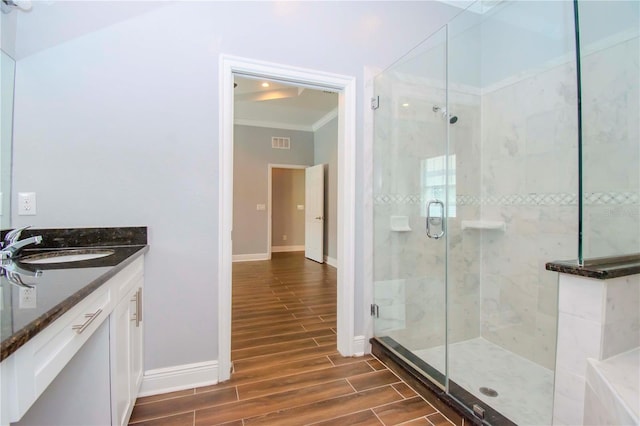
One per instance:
(27, 299)
(26, 203)
(284, 238)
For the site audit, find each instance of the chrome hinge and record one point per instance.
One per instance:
(375, 102)
(478, 411)
(375, 310)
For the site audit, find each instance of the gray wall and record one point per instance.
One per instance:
(252, 154)
(325, 147)
(287, 193)
(119, 126)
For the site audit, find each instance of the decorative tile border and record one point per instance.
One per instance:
(612, 198)
(532, 199)
(396, 199)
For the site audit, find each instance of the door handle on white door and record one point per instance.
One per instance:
(318, 217)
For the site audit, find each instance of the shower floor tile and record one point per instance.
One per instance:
(525, 389)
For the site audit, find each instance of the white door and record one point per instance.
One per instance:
(314, 213)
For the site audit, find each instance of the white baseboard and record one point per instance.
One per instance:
(179, 377)
(331, 261)
(250, 257)
(359, 343)
(280, 249)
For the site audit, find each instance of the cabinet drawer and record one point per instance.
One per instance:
(53, 355)
(40, 360)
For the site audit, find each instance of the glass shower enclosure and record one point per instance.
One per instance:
(475, 177)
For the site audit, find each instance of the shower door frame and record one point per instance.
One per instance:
(431, 373)
(450, 397)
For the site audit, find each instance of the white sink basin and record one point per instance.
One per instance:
(65, 256)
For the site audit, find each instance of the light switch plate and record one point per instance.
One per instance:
(26, 203)
(300, 206)
(261, 207)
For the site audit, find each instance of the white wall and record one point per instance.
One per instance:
(120, 126)
(325, 148)
(8, 27)
(7, 74)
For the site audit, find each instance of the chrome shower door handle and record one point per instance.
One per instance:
(435, 220)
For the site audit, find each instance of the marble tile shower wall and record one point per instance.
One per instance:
(464, 268)
(529, 181)
(515, 162)
(611, 107)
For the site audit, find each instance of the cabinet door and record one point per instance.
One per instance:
(135, 342)
(121, 339)
(126, 347)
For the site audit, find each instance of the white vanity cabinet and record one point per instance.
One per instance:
(28, 372)
(126, 349)
(116, 308)
(80, 394)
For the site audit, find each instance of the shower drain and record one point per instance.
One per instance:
(488, 392)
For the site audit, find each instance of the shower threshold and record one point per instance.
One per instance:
(458, 404)
(523, 389)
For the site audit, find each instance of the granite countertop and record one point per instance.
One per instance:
(60, 286)
(599, 268)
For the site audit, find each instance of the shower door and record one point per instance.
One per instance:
(475, 174)
(412, 191)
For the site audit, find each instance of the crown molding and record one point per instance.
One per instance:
(287, 126)
(325, 120)
(272, 125)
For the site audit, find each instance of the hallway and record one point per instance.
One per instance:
(287, 370)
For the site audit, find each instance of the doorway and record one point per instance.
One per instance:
(347, 343)
(285, 232)
(297, 219)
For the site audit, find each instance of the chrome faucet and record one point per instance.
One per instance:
(12, 245)
(15, 273)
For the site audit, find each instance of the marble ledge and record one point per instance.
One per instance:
(602, 268)
(55, 238)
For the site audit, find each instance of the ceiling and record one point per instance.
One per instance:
(268, 103)
(53, 22)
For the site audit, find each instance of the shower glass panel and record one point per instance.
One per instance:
(512, 77)
(410, 170)
(482, 116)
(610, 58)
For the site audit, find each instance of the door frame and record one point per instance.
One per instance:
(346, 88)
(270, 199)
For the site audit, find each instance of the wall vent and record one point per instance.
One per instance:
(280, 143)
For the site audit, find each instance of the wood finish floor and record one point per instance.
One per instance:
(287, 370)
